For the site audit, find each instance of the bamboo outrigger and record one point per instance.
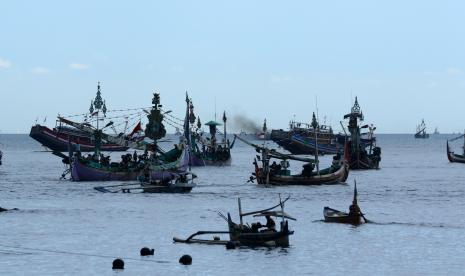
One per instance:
(244, 235)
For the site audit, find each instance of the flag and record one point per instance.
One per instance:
(137, 128)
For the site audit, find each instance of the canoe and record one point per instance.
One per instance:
(332, 175)
(93, 171)
(454, 158)
(332, 215)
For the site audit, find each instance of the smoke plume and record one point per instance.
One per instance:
(241, 122)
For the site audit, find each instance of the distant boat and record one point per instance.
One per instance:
(178, 132)
(421, 131)
(436, 131)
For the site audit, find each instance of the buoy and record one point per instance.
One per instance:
(216, 238)
(145, 251)
(185, 260)
(230, 245)
(118, 264)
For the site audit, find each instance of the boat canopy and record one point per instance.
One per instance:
(274, 214)
(213, 123)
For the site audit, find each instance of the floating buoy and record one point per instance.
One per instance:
(216, 238)
(118, 264)
(230, 245)
(185, 260)
(145, 251)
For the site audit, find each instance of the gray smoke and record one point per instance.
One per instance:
(241, 122)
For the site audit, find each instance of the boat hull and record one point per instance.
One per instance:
(454, 158)
(58, 141)
(166, 172)
(339, 176)
(332, 215)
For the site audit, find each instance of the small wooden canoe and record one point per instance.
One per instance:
(332, 215)
(454, 158)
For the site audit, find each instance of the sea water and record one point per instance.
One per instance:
(416, 201)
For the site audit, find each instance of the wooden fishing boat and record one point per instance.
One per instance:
(206, 151)
(244, 235)
(303, 138)
(275, 174)
(361, 155)
(453, 157)
(179, 183)
(353, 217)
(421, 131)
(162, 165)
(68, 132)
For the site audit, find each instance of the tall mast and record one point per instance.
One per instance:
(224, 124)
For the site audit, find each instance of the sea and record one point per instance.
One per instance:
(416, 202)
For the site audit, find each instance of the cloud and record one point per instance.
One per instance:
(177, 68)
(39, 70)
(78, 66)
(453, 71)
(5, 63)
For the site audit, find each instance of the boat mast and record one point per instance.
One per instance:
(98, 104)
(240, 210)
(315, 131)
(224, 125)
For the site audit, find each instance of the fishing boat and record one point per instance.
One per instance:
(242, 234)
(264, 134)
(279, 174)
(353, 217)
(453, 157)
(303, 138)
(180, 183)
(206, 151)
(58, 138)
(421, 131)
(361, 155)
(161, 164)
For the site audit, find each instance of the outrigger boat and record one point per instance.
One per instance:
(163, 165)
(354, 216)
(275, 174)
(68, 132)
(244, 235)
(362, 155)
(453, 157)
(206, 151)
(181, 183)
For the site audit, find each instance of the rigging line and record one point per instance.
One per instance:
(108, 111)
(79, 253)
(172, 122)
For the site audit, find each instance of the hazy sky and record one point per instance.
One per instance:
(405, 60)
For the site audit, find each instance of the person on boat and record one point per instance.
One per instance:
(354, 210)
(134, 156)
(270, 224)
(308, 169)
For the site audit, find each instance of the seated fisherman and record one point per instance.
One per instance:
(270, 224)
(354, 210)
(308, 169)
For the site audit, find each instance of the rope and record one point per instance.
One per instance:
(77, 253)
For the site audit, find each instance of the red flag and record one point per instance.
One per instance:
(137, 128)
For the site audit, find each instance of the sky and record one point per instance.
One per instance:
(404, 60)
